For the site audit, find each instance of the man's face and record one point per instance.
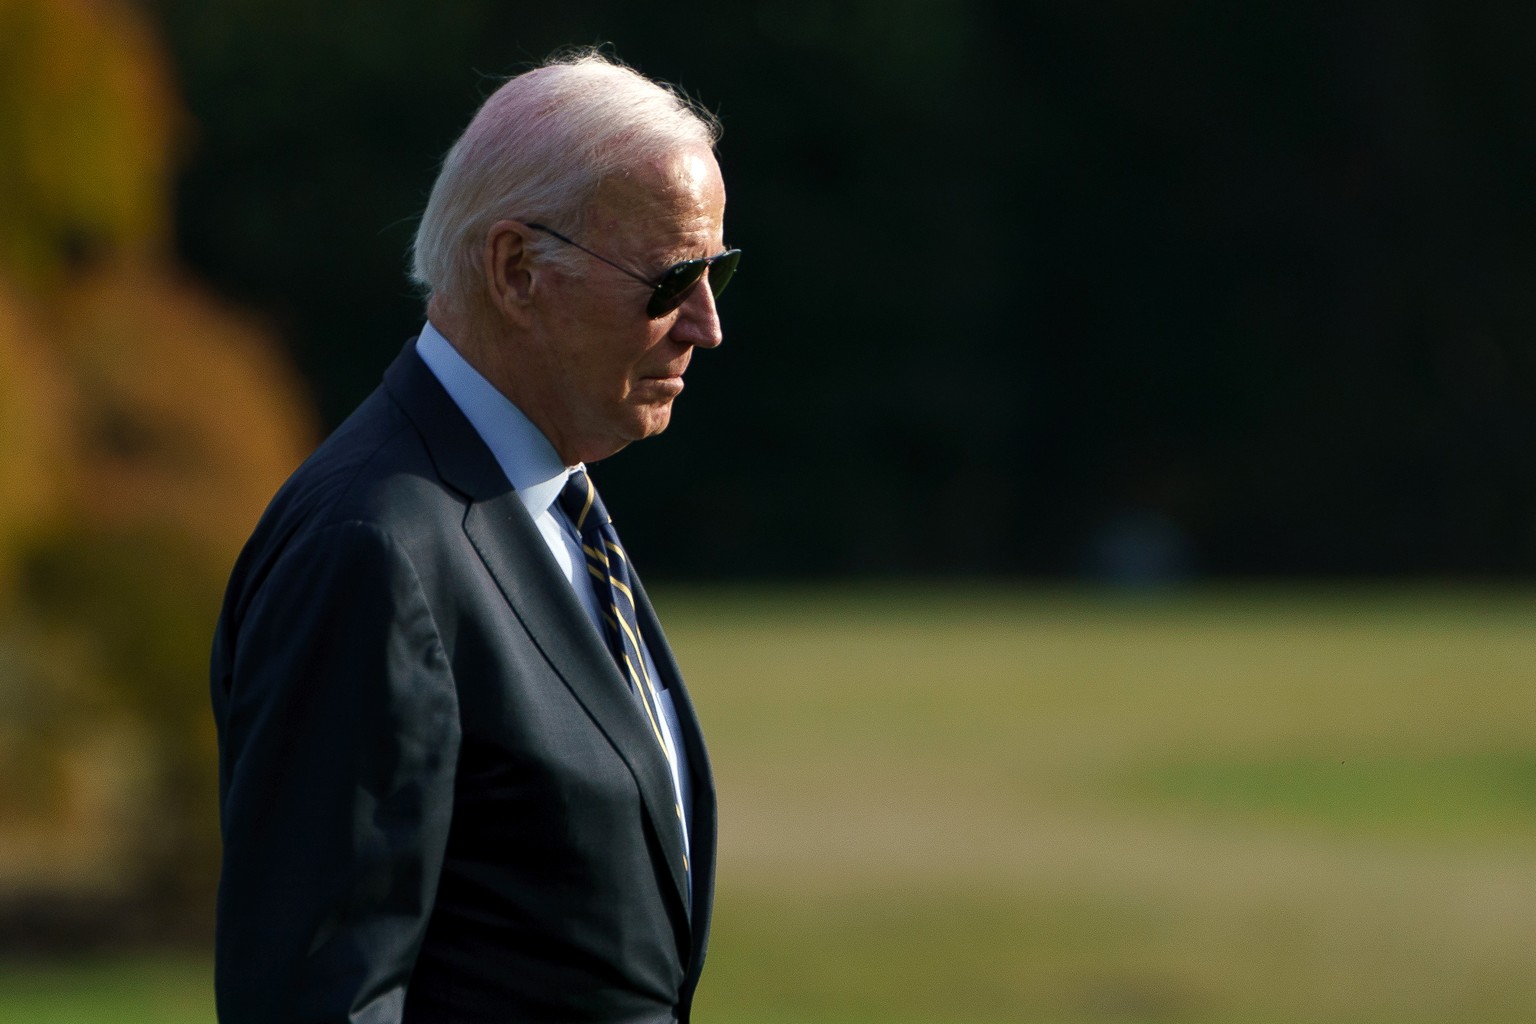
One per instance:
(611, 372)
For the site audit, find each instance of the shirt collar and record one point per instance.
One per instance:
(524, 454)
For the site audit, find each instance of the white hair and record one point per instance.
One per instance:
(537, 150)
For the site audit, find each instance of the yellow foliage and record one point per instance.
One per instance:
(76, 771)
(87, 118)
(140, 460)
(35, 410)
(188, 418)
(143, 427)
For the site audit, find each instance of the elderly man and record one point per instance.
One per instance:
(461, 780)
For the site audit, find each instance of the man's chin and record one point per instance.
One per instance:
(651, 417)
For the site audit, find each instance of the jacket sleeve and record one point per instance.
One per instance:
(339, 735)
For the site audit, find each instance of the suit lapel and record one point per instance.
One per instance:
(515, 554)
(543, 602)
(704, 825)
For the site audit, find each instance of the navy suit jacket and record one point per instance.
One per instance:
(440, 800)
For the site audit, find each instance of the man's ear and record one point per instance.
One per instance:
(508, 267)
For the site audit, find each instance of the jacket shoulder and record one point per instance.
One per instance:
(374, 469)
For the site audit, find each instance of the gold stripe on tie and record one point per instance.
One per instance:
(649, 714)
(581, 520)
(621, 588)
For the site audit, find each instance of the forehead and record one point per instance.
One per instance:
(677, 196)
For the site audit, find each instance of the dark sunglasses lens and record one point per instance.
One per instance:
(679, 280)
(721, 270)
(674, 287)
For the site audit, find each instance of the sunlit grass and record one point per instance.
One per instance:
(993, 805)
(1466, 796)
(952, 806)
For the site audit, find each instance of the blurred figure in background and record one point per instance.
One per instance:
(460, 777)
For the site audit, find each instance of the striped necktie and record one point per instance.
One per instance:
(613, 580)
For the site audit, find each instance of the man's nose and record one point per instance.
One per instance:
(698, 321)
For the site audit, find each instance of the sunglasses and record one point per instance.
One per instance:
(671, 288)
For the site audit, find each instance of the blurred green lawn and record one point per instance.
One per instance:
(973, 805)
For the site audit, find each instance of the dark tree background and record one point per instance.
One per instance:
(1128, 289)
